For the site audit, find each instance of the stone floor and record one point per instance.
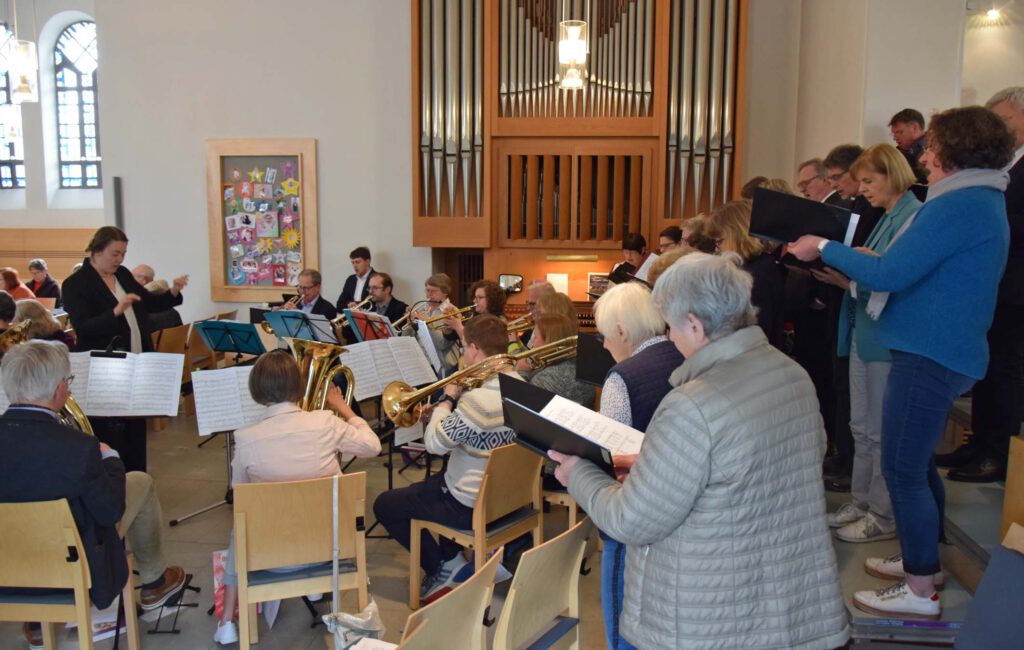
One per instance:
(188, 478)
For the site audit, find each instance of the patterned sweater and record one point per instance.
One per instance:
(468, 433)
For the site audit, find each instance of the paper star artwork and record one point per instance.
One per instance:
(291, 238)
(256, 175)
(279, 257)
(290, 186)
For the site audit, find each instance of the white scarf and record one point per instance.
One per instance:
(995, 178)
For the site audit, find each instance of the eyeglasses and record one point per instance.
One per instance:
(803, 185)
(835, 177)
(305, 289)
(70, 379)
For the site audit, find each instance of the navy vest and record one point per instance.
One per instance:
(646, 375)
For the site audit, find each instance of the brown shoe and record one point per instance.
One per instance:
(174, 580)
(33, 634)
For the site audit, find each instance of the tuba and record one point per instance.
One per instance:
(403, 404)
(71, 414)
(316, 365)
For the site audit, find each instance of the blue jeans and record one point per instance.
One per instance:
(918, 397)
(613, 569)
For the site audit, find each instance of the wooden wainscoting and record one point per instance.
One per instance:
(62, 248)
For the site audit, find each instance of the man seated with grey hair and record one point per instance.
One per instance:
(44, 460)
(146, 276)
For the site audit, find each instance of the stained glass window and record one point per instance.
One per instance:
(78, 130)
(12, 147)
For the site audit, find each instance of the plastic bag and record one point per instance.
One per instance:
(348, 629)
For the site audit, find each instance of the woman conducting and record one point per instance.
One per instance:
(289, 444)
(933, 293)
(107, 307)
(715, 559)
(884, 177)
(634, 334)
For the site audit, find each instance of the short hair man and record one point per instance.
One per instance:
(634, 251)
(44, 460)
(996, 415)
(670, 239)
(144, 274)
(468, 426)
(310, 301)
(837, 164)
(812, 180)
(356, 287)
(907, 128)
(381, 288)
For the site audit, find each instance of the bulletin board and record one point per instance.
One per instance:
(261, 207)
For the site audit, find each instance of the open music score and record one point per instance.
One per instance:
(610, 434)
(223, 401)
(135, 385)
(377, 363)
(423, 335)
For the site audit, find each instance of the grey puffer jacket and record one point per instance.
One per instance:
(723, 513)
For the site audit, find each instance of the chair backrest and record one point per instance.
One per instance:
(228, 315)
(41, 547)
(198, 355)
(511, 481)
(173, 339)
(49, 303)
(456, 620)
(545, 585)
(289, 523)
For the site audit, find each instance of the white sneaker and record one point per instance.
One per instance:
(866, 529)
(226, 633)
(891, 568)
(847, 514)
(898, 600)
(314, 598)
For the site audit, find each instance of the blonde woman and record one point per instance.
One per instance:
(43, 325)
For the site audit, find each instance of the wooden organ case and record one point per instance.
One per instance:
(508, 162)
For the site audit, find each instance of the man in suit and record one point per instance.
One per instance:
(44, 460)
(356, 287)
(310, 301)
(381, 287)
(812, 182)
(996, 411)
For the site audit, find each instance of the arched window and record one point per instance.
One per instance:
(12, 147)
(78, 131)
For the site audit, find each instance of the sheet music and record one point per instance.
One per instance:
(610, 434)
(405, 435)
(851, 229)
(156, 384)
(359, 360)
(80, 362)
(4, 402)
(367, 643)
(218, 407)
(427, 343)
(110, 386)
(387, 366)
(322, 328)
(252, 411)
(645, 268)
(412, 362)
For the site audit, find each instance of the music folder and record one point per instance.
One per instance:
(229, 336)
(521, 403)
(620, 275)
(592, 361)
(784, 218)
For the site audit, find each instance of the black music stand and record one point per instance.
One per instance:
(239, 338)
(300, 325)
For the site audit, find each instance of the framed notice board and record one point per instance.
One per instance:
(261, 206)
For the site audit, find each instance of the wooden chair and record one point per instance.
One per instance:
(562, 498)
(228, 315)
(543, 602)
(507, 506)
(42, 549)
(197, 355)
(456, 620)
(289, 523)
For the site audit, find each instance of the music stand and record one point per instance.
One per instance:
(239, 338)
(369, 326)
(300, 325)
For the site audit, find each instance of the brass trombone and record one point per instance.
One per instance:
(403, 404)
(316, 365)
(521, 324)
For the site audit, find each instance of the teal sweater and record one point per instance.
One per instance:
(854, 322)
(943, 273)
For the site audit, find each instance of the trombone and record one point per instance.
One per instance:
(521, 324)
(403, 404)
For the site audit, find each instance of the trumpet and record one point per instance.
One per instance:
(364, 303)
(316, 365)
(438, 321)
(403, 404)
(521, 324)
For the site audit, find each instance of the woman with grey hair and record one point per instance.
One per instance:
(723, 513)
(42, 284)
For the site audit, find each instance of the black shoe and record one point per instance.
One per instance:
(985, 470)
(963, 456)
(834, 467)
(837, 484)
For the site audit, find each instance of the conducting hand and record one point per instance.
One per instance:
(566, 463)
(829, 275)
(179, 283)
(805, 248)
(125, 303)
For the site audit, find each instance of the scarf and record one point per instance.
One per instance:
(994, 178)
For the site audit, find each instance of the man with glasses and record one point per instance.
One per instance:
(812, 182)
(44, 460)
(381, 286)
(907, 129)
(309, 300)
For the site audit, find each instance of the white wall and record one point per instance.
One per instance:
(993, 53)
(335, 71)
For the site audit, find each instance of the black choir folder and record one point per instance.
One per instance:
(784, 218)
(592, 361)
(522, 405)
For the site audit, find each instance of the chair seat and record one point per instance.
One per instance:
(562, 626)
(41, 597)
(267, 577)
(498, 525)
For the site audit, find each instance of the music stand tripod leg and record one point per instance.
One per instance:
(228, 495)
(381, 433)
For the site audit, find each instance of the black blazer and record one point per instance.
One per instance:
(396, 309)
(768, 295)
(90, 305)
(348, 293)
(48, 289)
(1011, 289)
(44, 460)
(324, 308)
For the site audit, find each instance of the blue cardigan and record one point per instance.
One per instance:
(858, 324)
(943, 273)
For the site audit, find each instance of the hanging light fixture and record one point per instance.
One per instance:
(23, 66)
(573, 47)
